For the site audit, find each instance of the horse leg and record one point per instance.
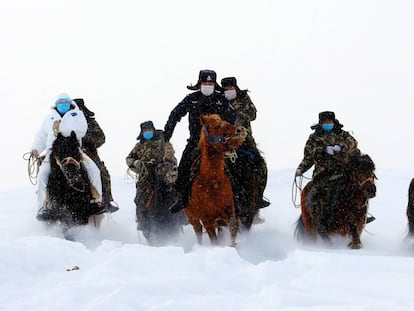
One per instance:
(198, 229)
(211, 231)
(234, 227)
(410, 209)
(95, 220)
(355, 240)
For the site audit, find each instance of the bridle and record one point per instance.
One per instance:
(66, 161)
(215, 139)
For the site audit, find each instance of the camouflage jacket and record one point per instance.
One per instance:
(245, 110)
(93, 139)
(315, 152)
(149, 153)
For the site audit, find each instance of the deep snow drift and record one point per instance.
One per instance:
(268, 270)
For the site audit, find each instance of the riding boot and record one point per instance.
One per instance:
(47, 213)
(263, 203)
(370, 218)
(111, 207)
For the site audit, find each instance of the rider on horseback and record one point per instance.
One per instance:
(65, 117)
(93, 139)
(205, 100)
(151, 150)
(329, 149)
(246, 112)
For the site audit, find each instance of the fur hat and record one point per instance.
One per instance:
(81, 104)
(145, 126)
(232, 81)
(205, 76)
(327, 115)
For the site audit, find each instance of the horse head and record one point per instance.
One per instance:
(361, 169)
(220, 134)
(68, 157)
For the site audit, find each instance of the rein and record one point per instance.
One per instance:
(297, 188)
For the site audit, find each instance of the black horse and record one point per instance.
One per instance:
(248, 173)
(155, 193)
(410, 210)
(68, 187)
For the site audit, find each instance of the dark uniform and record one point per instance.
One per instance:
(93, 139)
(195, 105)
(329, 164)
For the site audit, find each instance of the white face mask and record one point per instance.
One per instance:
(207, 90)
(230, 94)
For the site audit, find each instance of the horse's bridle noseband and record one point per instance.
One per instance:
(68, 160)
(215, 139)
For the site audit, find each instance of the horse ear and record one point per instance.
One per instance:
(203, 119)
(73, 135)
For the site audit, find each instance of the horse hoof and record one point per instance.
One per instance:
(353, 245)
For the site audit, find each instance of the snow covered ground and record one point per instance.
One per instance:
(268, 270)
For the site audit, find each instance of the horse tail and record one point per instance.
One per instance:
(299, 233)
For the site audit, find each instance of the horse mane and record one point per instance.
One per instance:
(361, 162)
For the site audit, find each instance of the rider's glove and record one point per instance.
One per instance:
(330, 150)
(35, 153)
(337, 148)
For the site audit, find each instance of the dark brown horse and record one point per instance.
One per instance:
(410, 210)
(211, 201)
(347, 213)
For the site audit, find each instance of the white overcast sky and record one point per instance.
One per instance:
(131, 61)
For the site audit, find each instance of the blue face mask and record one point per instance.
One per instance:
(148, 135)
(328, 127)
(63, 107)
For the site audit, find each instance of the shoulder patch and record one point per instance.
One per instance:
(74, 114)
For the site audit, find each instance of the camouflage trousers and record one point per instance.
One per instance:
(248, 174)
(323, 198)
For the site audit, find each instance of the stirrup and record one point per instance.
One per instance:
(370, 219)
(111, 207)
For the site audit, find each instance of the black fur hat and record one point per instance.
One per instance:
(81, 104)
(232, 81)
(145, 126)
(327, 115)
(205, 76)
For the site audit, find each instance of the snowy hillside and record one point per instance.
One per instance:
(268, 270)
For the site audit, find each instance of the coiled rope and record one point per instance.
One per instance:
(33, 164)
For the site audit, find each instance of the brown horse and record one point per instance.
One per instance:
(347, 214)
(211, 201)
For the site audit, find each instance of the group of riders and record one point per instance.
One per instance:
(327, 148)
